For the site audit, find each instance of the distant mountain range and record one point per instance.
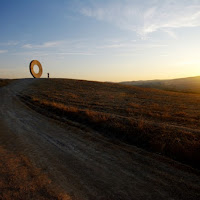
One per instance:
(190, 84)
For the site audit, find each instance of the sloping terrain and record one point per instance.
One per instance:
(159, 121)
(4, 82)
(187, 85)
(85, 164)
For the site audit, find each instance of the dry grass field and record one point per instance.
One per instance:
(4, 82)
(19, 179)
(159, 121)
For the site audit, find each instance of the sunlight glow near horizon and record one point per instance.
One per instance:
(101, 40)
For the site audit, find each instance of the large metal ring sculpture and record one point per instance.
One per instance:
(39, 74)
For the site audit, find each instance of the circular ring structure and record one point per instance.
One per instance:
(32, 64)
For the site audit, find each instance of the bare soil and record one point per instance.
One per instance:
(86, 165)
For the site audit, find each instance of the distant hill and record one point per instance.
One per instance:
(190, 84)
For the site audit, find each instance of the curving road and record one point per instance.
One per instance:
(86, 165)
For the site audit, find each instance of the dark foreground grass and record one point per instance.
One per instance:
(159, 121)
(19, 179)
(4, 82)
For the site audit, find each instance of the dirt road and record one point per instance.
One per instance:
(86, 165)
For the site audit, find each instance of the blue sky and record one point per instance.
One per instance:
(112, 40)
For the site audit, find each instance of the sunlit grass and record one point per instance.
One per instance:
(159, 121)
(19, 179)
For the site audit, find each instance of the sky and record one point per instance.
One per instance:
(103, 40)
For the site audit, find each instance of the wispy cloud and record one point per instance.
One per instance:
(131, 45)
(147, 17)
(3, 51)
(113, 46)
(44, 54)
(72, 43)
(76, 53)
(31, 53)
(171, 33)
(9, 43)
(44, 45)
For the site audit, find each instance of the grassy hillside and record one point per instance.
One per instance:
(188, 85)
(159, 121)
(4, 82)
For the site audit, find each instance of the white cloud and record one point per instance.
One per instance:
(31, 53)
(113, 46)
(76, 53)
(3, 51)
(28, 46)
(44, 54)
(171, 33)
(44, 45)
(147, 17)
(130, 45)
(10, 43)
(74, 43)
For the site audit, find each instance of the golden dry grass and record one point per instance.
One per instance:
(159, 121)
(19, 179)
